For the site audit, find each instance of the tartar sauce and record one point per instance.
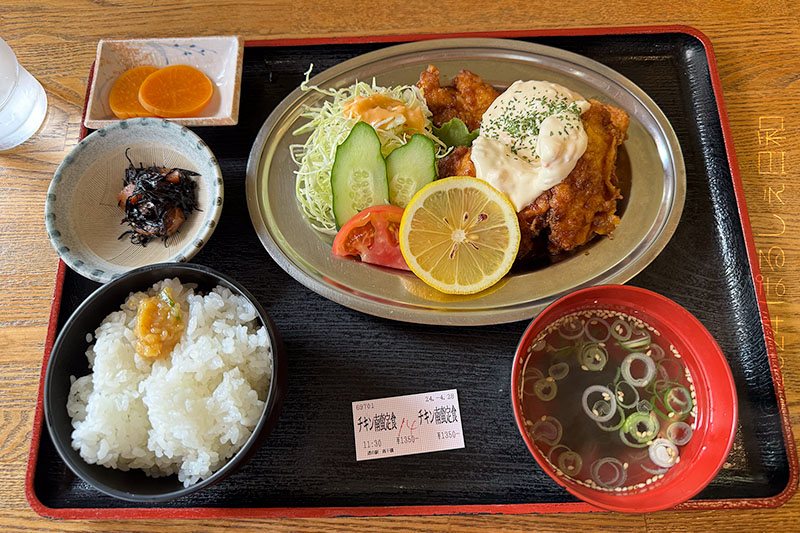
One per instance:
(531, 137)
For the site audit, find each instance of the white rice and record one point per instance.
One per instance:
(186, 413)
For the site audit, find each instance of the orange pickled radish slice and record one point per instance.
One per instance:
(176, 91)
(124, 97)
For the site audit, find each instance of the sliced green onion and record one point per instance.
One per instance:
(622, 394)
(657, 402)
(593, 357)
(571, 328)
(621, 329)
(649, 369)
(617, 377)
(591, 328)
(636, 344)
(623, 436)
(678, 400)
(679, 432)
(644, 406)
(665, 411)
(532, 372)
(619, 472)
(664, 372)
(613, 426)
(545, 389)
(530, 375)
(655, 352)
(553, 449)
(547, 430)
(664, 453)
(539, 345)
(166, 296)
(642, 427)
(558, 370)
(602, 408)
(608, 398)
(657, 386)
(570, 463)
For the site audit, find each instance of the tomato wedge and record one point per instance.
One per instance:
(372, 235)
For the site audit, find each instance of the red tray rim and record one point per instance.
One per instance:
(423, 510)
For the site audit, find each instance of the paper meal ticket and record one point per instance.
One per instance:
(405, 425)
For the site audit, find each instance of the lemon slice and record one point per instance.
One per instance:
(459, 235)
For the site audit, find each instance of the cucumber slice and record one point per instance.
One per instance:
(358, 176)
(410, 168)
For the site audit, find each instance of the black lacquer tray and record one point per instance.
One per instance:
(336, 355)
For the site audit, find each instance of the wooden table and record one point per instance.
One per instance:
(756, 46)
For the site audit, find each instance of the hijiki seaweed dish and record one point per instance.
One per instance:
(607, 400)
(156, 201)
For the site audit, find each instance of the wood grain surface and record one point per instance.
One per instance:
(755, 43)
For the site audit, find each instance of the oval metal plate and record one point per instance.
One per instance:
(650, 168)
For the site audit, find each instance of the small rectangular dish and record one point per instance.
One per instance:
(219, 58)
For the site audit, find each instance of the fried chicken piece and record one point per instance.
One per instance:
(468, 98)
(457, 163)
(459, 159)
(532, 221)
(585, 203)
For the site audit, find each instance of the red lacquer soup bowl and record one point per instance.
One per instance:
(683, 436)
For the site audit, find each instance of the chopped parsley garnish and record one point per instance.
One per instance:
(521, 119)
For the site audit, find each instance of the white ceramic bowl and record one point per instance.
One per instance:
(219, 58)
(81, 211)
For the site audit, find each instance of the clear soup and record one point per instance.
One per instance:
(607, 400)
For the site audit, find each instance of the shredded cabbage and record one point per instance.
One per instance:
(329, 127)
